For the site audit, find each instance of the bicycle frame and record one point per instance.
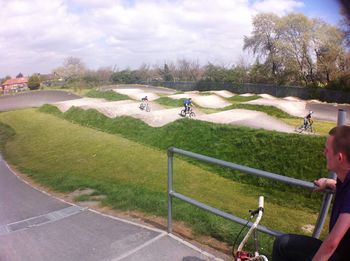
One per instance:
(241, 255)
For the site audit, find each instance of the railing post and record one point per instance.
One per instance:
(327, 198)
(170, 188)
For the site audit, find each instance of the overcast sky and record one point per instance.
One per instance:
(37, 35)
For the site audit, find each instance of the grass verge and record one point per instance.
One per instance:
(107, 95)
(169, 102)
(270, 151)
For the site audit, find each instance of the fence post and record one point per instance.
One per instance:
(327, 198)
(170, 188)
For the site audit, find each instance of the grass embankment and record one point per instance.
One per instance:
(66, 156)
(270, 151)
(239, 98)
(107, 95)
(169, 102)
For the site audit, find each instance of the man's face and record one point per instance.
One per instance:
(332, 162)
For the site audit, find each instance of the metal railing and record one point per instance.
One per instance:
(259, 173)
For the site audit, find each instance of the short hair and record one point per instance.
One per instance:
(341, 142)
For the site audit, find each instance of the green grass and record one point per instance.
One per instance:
(6, 133)
(238, 98)
(321, 127)
(169, 102)
(66, 157)
(107, 95)
(270, 151)
(270, 110)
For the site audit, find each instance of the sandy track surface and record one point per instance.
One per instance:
(248, 118)
(65, 105)
(137, 94)
(122, 108)
(223, 93)
(295, 108)
(161, 117)
(207, 101)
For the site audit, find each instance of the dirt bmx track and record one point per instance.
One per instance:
(160, 115)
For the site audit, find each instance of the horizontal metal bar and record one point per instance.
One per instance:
(223, 214)
(256, 172)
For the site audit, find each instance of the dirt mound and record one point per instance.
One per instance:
(137, 94)
(249, 118)
(247, 94)
(295, 108)
(208, 101)
(291, 98)
(224, 93)
(267, 96)
(122, 108)
(65, 105)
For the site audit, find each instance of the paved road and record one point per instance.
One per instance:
(35, 226)
(33, 99)
(328, 112)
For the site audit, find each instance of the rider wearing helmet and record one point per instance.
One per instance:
(187, 104)
(307, 119)
(144, 99)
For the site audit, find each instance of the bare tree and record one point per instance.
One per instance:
(72, 67)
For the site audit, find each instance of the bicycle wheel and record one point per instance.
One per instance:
(192, 114)
(311, 129)
(299, 128)
(142, 106)
(183, 113)
(148, 109)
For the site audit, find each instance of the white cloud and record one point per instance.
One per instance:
(277, 6)
(36, 35)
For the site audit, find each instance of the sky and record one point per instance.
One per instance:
(36, 36)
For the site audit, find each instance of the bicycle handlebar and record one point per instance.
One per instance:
(258, 211)
(261, 202)
(261, 207)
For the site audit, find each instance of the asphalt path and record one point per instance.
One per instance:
(33, 99)
(328, 111)
(36, 226)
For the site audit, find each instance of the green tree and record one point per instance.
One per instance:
(295, 49)
(34, 82)
(327, 46)
(264, 41)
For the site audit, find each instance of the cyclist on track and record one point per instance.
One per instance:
(187, 104)
(307, 119)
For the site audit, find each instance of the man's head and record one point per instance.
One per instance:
(337, 150)
(189, 99)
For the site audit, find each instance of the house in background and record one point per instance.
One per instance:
(15, 85)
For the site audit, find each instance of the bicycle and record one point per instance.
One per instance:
(145, 106)
(241, 255)
(189, 112)
(308, 128)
